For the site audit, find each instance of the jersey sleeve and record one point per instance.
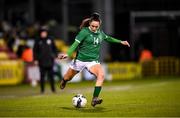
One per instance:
(81, 35)
(72, 48)
(110, 39)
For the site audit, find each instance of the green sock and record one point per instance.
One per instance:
(97, 90)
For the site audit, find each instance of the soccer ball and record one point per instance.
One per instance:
(79, 101)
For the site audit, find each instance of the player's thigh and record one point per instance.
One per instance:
(70, 73)
(97, 70)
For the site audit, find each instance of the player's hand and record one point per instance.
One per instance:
(62, 56)
(125, 43)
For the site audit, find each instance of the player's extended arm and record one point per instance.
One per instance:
(114, 40)
(72, 48)
(70, 51)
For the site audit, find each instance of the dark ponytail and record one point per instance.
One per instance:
(85, 23)
(94, 17)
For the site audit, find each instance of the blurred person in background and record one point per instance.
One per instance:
(27, 54)
(45, 52)
(145, 55)
(88, 43)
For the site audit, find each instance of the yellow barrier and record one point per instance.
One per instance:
(161, 66)
(124, 70)
(11, 72)
(3, 55)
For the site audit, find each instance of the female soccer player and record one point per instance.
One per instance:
(88, 42)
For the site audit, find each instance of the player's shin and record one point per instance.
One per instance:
(95, 99)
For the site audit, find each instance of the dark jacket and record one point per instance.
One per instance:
(45, 52)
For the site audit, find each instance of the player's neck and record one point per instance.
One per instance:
(92, 31)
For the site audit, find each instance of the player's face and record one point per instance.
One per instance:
(94, 26)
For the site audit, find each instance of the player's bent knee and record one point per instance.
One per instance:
(66, 77)
(101, 76)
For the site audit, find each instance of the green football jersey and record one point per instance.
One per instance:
(90, 43)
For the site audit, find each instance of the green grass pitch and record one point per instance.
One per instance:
(148, 97)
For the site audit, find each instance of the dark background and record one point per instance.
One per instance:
(151, 24)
